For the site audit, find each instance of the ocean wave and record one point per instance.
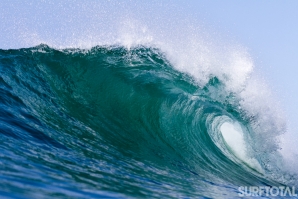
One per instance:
(131, 122)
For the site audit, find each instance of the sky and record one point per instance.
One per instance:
(268, 29)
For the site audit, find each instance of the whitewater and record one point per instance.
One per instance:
(127, 107)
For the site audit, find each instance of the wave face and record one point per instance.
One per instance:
(117, 122)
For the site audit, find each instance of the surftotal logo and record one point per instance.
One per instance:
(266, 191)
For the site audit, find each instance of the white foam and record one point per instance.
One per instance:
(233, 136)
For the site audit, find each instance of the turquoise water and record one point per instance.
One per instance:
(123, 123)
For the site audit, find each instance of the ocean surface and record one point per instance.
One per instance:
(117, 122)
